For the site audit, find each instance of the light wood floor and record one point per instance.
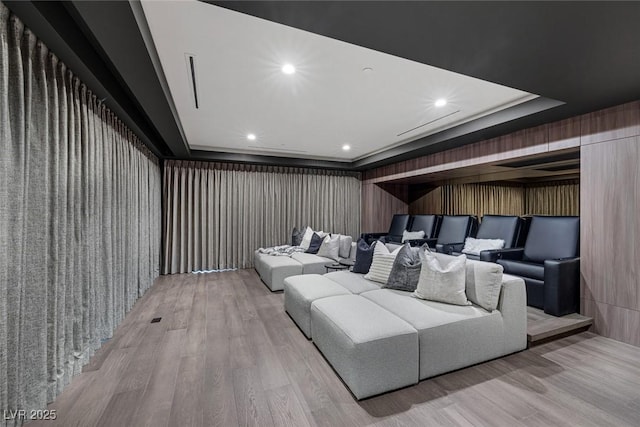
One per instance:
(226, 354)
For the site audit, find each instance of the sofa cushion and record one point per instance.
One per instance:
(523, 268)
(382, 263)
(405, 271)
(274, 269)
(314, 245)
(353, 282)
(311, 263)
(483, 283)
(442, 279)
(372, 350)
(301, 291)
(330, 247)
(450, 336)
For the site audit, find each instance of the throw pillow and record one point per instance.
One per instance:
(382, 264)
(330, 247)
(475, 246)
(314, 245)
(405, 271)
(443, 282)
(484, 281)
(364, 256)
(306, 238)
(412, 235)
(296, 236)
(345, 245)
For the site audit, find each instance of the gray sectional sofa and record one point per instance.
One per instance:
(274, 269)
(379, 340)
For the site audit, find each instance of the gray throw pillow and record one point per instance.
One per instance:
(405, 271)
(296, 236)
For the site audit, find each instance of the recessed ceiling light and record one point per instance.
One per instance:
(346, 147)
(288, 69)
(440, 102)
(251, 137)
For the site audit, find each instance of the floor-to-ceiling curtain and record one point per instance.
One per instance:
(79, 221)
(481, 199)
(217, 215)
(560, 198)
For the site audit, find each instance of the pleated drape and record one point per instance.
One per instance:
(480, 199)
(79, 221)
(562, 198)
(217, 215)
(558, 198)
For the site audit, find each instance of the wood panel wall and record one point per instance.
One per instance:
(610, 221)
(609, 203)
(379, 205)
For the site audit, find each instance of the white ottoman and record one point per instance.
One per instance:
(301, 291)
(372, 350)
(274, 269)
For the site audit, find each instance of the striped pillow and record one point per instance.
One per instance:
(382, 264)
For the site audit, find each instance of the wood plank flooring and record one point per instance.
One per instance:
(226, 354)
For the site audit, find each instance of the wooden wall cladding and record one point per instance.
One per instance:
(379, 206)
(519, 144)
(610, 229)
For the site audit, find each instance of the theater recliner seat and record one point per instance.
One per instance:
(549, 263)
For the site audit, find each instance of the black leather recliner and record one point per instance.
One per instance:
(549, 263)
(453, 229)
(502, 227)
(399, 223)
(430, 224)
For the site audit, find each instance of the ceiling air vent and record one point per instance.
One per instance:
(428, 123)
(191, 64)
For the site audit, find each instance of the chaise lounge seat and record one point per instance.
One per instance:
(449, 337)
(274, 269)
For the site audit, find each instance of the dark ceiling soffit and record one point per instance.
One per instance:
(476, 130)
(219, 156)
(52, 24)
(133, 59)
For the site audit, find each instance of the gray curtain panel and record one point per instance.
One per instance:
(216, 215)
(79, 221)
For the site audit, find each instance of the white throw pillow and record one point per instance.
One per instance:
(382, 263)
(475, 246)
(345, 245)
(330, 248)
(412, 235)
(306, 238)
(483, 283)
(443, 282)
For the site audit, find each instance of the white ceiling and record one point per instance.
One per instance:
(330, 101)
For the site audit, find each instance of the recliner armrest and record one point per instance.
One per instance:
(420, 242)
(491, 255)
(511, 253)
(448, 248)
(561, 286)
